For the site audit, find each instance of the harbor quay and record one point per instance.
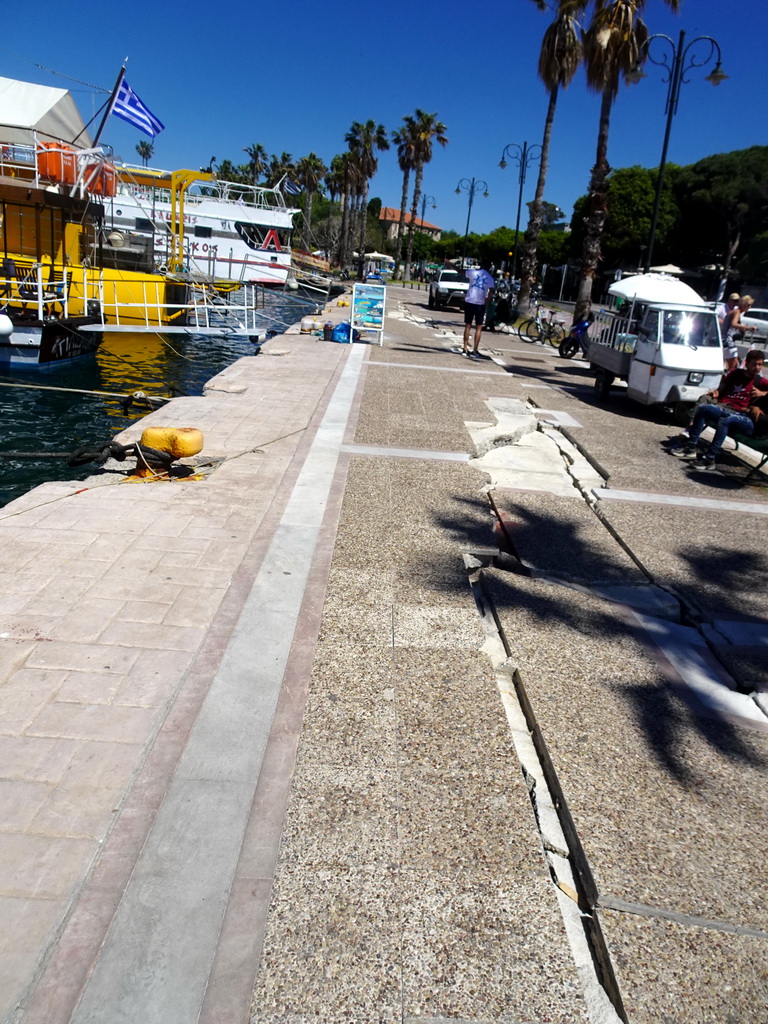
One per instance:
(436, 691)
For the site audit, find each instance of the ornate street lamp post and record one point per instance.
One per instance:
(523, 156)
(471, 186)
(677, 60)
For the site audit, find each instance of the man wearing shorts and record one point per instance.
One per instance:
(481, 286)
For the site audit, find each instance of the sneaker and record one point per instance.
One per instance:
(682, 450)
(475, 355)
(464, 352)
(703, 461)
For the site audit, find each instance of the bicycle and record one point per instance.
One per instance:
(539, 328)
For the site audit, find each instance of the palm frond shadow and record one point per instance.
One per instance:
(523, 606)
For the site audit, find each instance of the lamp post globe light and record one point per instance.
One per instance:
(523, 156)
(677, 61)
(471, 186)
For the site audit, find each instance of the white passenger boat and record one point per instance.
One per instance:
(231, 231)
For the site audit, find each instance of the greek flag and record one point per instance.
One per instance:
(292, 188)
(129, 107)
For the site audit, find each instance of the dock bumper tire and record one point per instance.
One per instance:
(603, 381)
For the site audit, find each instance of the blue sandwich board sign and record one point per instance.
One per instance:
(368, 302)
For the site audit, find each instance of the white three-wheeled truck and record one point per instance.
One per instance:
(664, 342)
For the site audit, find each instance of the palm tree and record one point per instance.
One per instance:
(427, 129)
(613, 45)
(561, 54)
(309, 173)
(363, 141)
(145, 150)
(346, 179)
(279, 166)
(334, 177)
(257, 160)
(404, 139)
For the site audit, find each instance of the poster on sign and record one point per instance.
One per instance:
(368, 308)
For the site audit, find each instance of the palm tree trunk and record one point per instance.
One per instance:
(401, 222)
(344, 228)
(531, 241)
(363, 225)
(414, 208)
(598, 209)
(308, 220)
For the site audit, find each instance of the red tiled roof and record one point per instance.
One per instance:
(389, 213)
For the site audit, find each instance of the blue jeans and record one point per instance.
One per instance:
(722, 418)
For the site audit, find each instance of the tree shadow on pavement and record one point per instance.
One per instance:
(543, 620)
(666, 722)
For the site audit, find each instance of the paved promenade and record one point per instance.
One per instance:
(438, 693)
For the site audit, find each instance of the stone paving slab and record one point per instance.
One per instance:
(563, 536)
(661, 797)
(658, 984)
(411, 880)
(716, 562)
(114, 591)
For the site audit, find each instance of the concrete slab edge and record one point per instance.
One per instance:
(556, 829)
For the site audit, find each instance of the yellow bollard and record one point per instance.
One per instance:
(180, 442)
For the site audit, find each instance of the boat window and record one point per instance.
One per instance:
(681, 327)
(257, 236)
(201, 232)
(142, 224)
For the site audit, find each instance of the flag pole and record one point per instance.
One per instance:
(111, 103)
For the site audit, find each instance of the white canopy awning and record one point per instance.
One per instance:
(655, 288)
(25, 108)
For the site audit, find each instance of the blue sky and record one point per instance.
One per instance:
(295, 76)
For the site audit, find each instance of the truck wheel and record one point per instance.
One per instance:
(603, 381)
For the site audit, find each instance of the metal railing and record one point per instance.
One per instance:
(154, 305)
(34, 289)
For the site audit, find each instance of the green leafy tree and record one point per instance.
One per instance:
(550, 214)
(613, 46)
(723, 202)
(631, 193)
(427, 130)
(559, 59)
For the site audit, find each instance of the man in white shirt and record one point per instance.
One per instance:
(481, 286)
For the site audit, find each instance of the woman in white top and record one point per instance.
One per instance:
(734, 326)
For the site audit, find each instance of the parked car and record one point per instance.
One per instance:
(759, 319)
(447, 287)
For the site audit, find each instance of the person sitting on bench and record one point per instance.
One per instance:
(737, 391)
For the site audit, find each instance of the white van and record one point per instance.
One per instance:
(669, 352)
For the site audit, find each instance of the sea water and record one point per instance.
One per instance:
(43, 417)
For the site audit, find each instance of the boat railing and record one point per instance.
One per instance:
(18, 160)
(170, 304)
(34, 289)
(232, 193)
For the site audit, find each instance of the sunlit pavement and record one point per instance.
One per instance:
(441, 698)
